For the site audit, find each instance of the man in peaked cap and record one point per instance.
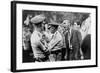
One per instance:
(37, 46)
(55, 44)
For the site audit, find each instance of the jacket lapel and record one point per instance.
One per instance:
(71, 36)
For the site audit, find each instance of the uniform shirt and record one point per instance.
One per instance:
(48, 35)
(56, 42)
(37, 46)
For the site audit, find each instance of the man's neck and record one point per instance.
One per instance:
(38, 30)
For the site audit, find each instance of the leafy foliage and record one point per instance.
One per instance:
(57, 16)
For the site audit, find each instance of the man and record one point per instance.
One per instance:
(62, 29)
(27, 49)
(55, 44)
(36, 37)
(73, 41)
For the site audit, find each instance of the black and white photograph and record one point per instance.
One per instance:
(56, 36)
(53, 36)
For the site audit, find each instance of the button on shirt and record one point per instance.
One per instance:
(37, 46)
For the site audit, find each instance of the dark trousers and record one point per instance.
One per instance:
(27, 57)
(73, 54)
(63, 54)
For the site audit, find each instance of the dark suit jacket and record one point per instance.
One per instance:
(75, 40)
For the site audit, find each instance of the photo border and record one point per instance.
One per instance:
(13, 34)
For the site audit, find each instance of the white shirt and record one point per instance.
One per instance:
(56, 42)
(37, 46)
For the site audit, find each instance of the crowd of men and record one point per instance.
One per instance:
(54, 41)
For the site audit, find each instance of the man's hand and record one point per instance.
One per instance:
(82, 57)
(70, 47)
(47, 52)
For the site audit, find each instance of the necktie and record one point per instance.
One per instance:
(69, 38)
